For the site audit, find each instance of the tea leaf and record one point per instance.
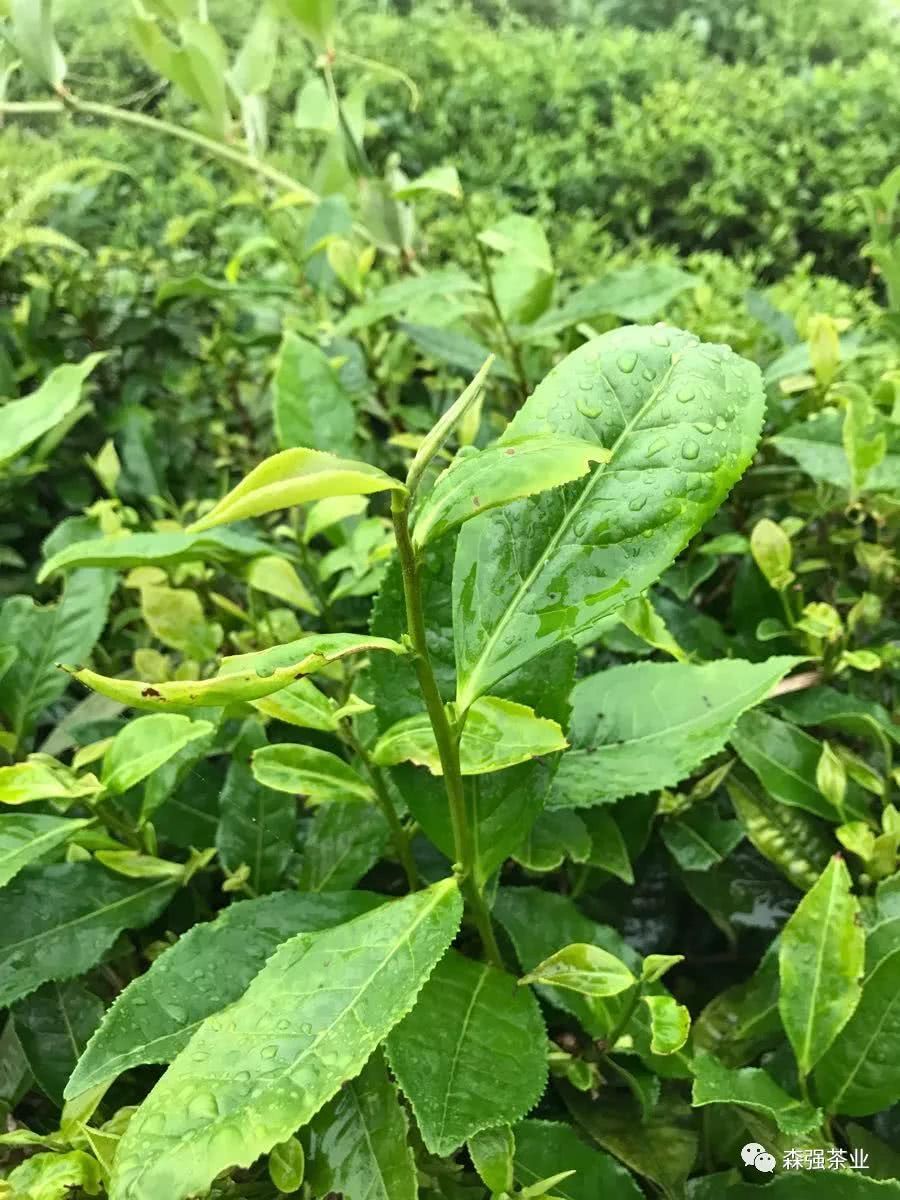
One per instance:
(146, 744)
(646, 726)
(681, 420)
(821, 962)
(670, 1024)
(752, 1088)
(543, 1148)
(155, 1016)
(343, 841)
(310, 403)
(56, 921)
(358, 1141)
(253, 1074)
(153, 549)
(306, 771)
(583, 968)
(492, 1152)
(295, 477)
(471, 1054)
(53, 1026)
(41, 777)
(25, 420)
(27, 836)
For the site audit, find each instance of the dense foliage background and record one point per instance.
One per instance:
(514, 177)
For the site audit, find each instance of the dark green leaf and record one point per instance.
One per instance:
(544, 1148)
(53, 1026)
(752, 1088)
(311, 405)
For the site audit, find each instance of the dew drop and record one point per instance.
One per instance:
(283, 1024)
(204, 1104)
(659, 337)
(703, 427)
(155, 1123)
(627, 362)
(649, 374)
(269, 1051)
(656, 445)
(684, 395)
(177, 1013)
(265, 672)
(242, 1077)
(721, 423)
(689, 448)
(589, 407)
(306, 1028)
(637, 503)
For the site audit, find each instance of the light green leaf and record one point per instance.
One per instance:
(255, 1073)
(484, 479)
(772, 552)
(471, 1054)
(324, 514)
(41, 777)
(492, 1152)
(752, 1088)
(241, 677)
(821, 962)
(583, 968)
(253, 68)
(343, 841)
(314, 17)
(25, 837)
(543, 1148)
(310, 403)
(154, 549)
(25, 420)
(817, 446)
(295, 477)
(609, 850)
(647, 726)
(52, 1176)
(408, 296)
(156, 1015)
(656, 965)
(34, 39)
(300, 703)
(276, 577)
(670, 1024)
(554, 837)
(175, 616)
(636, 294)
(358, 1142)
(498, 733)
(681, 419)
(798, 844)
(56, 921)
(144, 745)
(319, 775)
(438, 179)
(287, 1165)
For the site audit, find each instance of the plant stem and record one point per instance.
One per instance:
(110, 112)
(399, 835)
(447, 738)
(488, 277)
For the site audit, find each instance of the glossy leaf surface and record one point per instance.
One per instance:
(471, 1054)
(25, 837)
(146, 744)
(753, 1088)
(153, 549)
(307, 771)
(647, 726)
(681, 420)
(253, 1074)
(544, 1148)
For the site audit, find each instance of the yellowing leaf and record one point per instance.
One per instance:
(41, 777)
(294, 477)
(498, 733)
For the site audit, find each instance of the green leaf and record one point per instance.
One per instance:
(662, 1148)
(175, 616)
(670, 1024)
(52, 1176)
(798, 844)
(859, 1075)
(743, 1021)
(45, 636)
(257, 826)
(53, 1026)
(498, 733)
(752, 1088)
(817, 446)
(144, 745)
(358, 1141)
(25, 420)
(646, 726)
(484, 479)
(701, 837)
(253, 1074)
(300, 703)
(158, 549)
(635, 293)
(155, 1016)
(455, 349)
(408, 296)
(471, 1054)
(583, 968)
(543, 1148)
(241, 677)
(681, 419)
(319, 775)
(295, 477)
(443, 179)
(314, 17)
(276, 577)
(492, 1152)
(784, 760)
(56, 921)
(287, 1165)
(554, 837)
(41, 777)
(609, 850)
(820, 963)
(656, 965)
(343, 841)
(25, 837)
(310, 403)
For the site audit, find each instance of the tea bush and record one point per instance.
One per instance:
(449, 477)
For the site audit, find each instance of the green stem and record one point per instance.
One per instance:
(626, 1017)
(399, 835)
(488, 278)
(446, 737)
(110, 112)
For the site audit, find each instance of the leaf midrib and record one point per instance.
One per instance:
(563, 527)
